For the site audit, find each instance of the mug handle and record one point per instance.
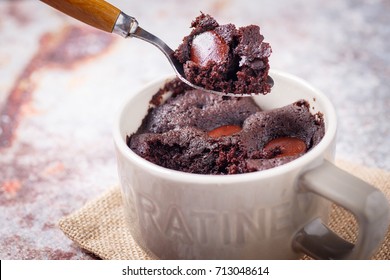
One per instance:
(369, 206)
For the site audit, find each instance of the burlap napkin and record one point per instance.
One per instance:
(100, 227)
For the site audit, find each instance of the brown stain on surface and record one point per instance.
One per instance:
(63, 49)
(17, 13)
(54, 169)
(27, 221)
(21, 245)
(11, 187)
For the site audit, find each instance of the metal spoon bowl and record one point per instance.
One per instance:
(106, 17)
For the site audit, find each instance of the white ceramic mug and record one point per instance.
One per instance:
(279, 213)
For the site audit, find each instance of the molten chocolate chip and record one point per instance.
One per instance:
(285, 146)
(208, 46)
(224, 130)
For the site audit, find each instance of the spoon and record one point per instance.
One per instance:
(106, 17)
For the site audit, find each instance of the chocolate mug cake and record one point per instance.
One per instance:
(224, 58)
(197, 132)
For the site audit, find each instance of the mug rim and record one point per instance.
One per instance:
(185, 177)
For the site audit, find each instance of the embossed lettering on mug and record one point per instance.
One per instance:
(176, 226)
(234, 227)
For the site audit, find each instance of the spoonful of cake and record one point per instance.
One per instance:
(215, 58)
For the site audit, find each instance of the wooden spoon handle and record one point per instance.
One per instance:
(96, 13)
